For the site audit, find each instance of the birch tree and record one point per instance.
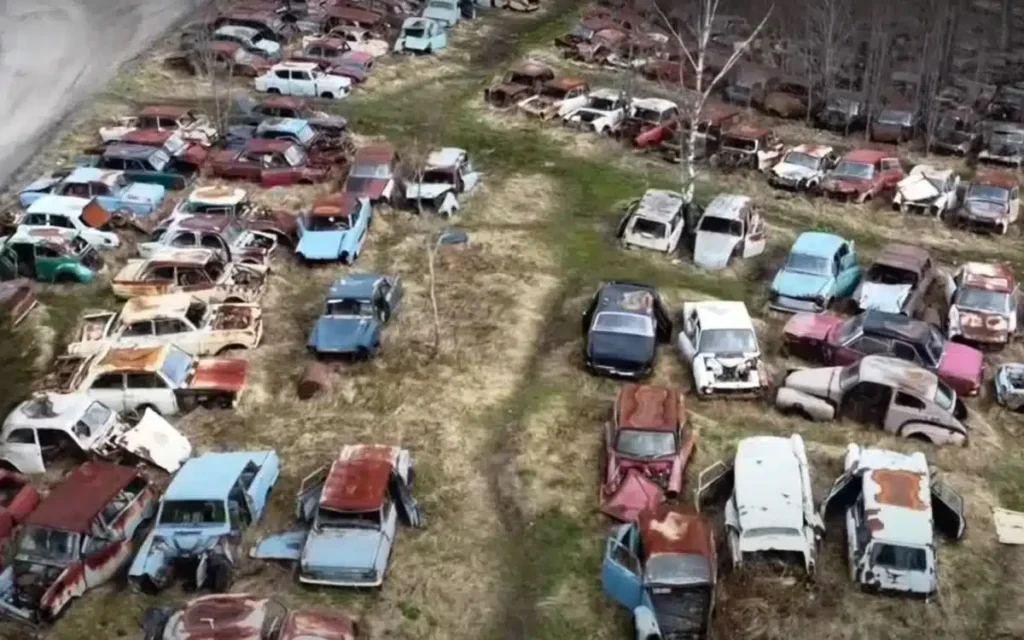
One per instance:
(693, 57)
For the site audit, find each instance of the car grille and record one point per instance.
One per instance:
(795, 304)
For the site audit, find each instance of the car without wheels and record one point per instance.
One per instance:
(193, 126)
(897, 281)
(821, 268)
(355, 312)
(230, 238)
(199, 272)
(747, 147)
(803, 168)
(603, 113)
(983, 304)
(861, 175)
(376, 174)
(45, 255)
(111, 189)
(1004, 145)
(519, 84)
(334, 229)
(658, 221)
(622, 326)
(992, 203)
(556, 99)
(71, 217)
(719, 344)
(446, 175)
(927, 190)
(730, 227)
(304, 79)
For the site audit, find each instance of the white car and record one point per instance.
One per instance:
(193, 126)
(770, 509)
(730, 227)
(982, 304)
(557, 98)
(719, 343)
(656, 221)
(70, 217)
(803, 167)
(249, 39)
(603, 113)
(305, 79)
(48, 425)
(927, 190)
(448, 173)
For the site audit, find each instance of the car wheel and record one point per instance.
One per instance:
(65, 278)
(345, 258)
(223, 401)
(141, 410)
(274, 90)
(221, 574)
(327, 94)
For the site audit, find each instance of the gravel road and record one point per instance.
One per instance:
(54, 54)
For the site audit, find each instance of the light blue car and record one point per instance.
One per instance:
(444, 11)
(110, 188)
(355, 312)
(821, 268)
(421, 35)
(334, 229)
(202, 516)
(350, 516)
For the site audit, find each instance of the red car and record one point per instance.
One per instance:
(646, 450)
(170, 141)
(272, 163)
(375, 173)
(713, 120)
(862, 175)
(17, 499)
(837, 341)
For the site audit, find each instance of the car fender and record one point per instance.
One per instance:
(152, 563)
(788, 399)
(646, 624)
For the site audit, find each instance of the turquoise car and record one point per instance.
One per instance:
(112, 190)
(821, 267)
(421, 35)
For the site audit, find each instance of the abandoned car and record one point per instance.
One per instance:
(447, 174)
(603, 113)
(646, 114)
(202, 516)
(843, 112)
(79, 537)
(769, 505)
(891, 505)
(803, 168)
(992, 203)
(421, 35)
(71, 217)
(647, 450)
(174, 318)
(790, 97)
(663, 569)
(622, 326)
(355, 312)
(879, 391)
(199, 272)
(1004, 144)
(983, 304)
(658, 221)
(334, 229)
(957, 133)
(222, 200)
(49, 426)
(193, 126)
(271, 163)
(18, 498)
(350, 514)
(747, 147)
(376, 174)
(303, 79)
(1009, 383)
(862, 175)
(252, 113)
(519, 84)
(927, 190)
(731, 227)
(148, 164)
(111, 189)
(897, 281)
(17, 297)
(556, 99)
(894, 125)
(718, 342)
(673, 139)
(44, 255)
(820, 269)
(229, 237)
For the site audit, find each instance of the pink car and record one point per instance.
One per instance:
(838, 341)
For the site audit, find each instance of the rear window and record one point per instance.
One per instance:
(627, 323)
(893, 556)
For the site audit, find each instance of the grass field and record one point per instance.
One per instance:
(504, 424)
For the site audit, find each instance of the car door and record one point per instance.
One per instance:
(148, 388)
(263, 480)
(621, 571)
(470, 176)
(857, 348)
(301, 83)
(715, 484)
(757, 236)
(892, 172)
(178, 332)
(21, 449)
(948, 511)
(849, 270)
(866, 403)
(391, 291)
(405, 503)
(109, 388)
(192, 278)
(689, 337)
(137, 334)
(307, 499)
(35, 220)
(248, 166)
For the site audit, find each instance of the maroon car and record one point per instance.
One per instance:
(170, 141)
(862, 175)
(272, 163)
(17, 499)
(836, 341)
(375, 174)
(646, 450)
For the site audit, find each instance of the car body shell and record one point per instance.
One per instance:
(519, 84)
(974, 315)
(271, 163)
(747, 147)
(47, 256)
(111, 189)
(730, 227)
(646, 114)
(616, 350)
(146, 164)
(231, 238)
(447, 173)
(787, 174)
(72, 217)
(796, 287)
(334, 229)
(991, 202)
(19, 498)
(657, 208)
(897, 281)
(303, 79)
(1003, 144)
(356, 310)
(603, 113)
(196, 271)
(886, 172)
(376, 174)
(193, 126)
(234, 203)
(421, 35)
(733, 369)
(927, 189)
(17, 298)
(555, 99)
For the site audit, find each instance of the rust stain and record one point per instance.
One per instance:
(356, 485)
(649, 407)
(302, 626)
(142, 359)
(81, 496)
(899, 488)
(671, 530)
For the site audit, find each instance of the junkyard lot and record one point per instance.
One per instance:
(506, 427)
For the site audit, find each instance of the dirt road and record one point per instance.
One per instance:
(56, 53)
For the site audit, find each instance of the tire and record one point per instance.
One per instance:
(274, 90)
(141, 409)
(328, 95)
(346, 259)
(223, 402)
(221, 574)
(362, 354)
(65, 278)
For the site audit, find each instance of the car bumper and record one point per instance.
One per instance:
(795, 305)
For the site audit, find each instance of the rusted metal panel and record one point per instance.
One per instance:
(141, 359)
(315, 378)
(220, 374)
(268, 145)
(867, 156)
(748, 132)
(303, 626)
(649, 408)
(147, 137)
(146, 307)
(94, 215)
(74, 503)
(17, 299)
(1002, 179)
(672, 530)
(991, 277)
(356, 485)
(903, 256)
(335, 206)
(899, 488)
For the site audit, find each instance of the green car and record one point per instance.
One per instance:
(48, 257)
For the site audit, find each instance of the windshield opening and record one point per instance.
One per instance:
(650, 228)
(945, 397)
(646, 115)
(802, 160)
(93, 420)
(518, 78)
(1012, 138)
(331, 519)
(898, 118)
(848, 377)
(681, 611)
(988, 192)
(626, 323)
(856, 170)
(274, 615)
(176, 366)
(193, 512)
(742, 144)
(763, 532)
(813, 265)
(935, 345)
(349, 308)
(557, 93)
(889, 275)
(601, 104)
(437, 176)
(382, 171)
(646, 444)
(48, 544)
(328, 223)
(711, 224)
(983, 300)
(415, 32)
(899, 557)
(727, 341)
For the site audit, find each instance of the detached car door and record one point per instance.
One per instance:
(757, 235)
(948, 511)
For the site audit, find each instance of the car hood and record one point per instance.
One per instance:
(342, 335)
(429, 191)
(712, 250)
(269, 46)
(815, 382)
(961, 362)
(321, 245)
(883, 297)
(979, 325)
(142, 192)
(634, 494)
(811, 326)
(157, 441)
(372, 188)
(792, 171)
(621, 347)
(795, 284)
(220, 374)
(917, 188)
(985, 208)
(342, 549)
(441, 15)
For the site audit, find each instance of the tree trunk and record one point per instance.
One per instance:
(1005, 25)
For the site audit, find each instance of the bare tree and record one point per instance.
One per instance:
(693, 58)
(433, 244)
(829, 25)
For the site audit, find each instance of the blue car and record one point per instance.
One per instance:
(202, 516)
(421, 35)
(334, 229)
(821, 268)
(622, 327)
(350, 516)
(110, 188)
(355, 312)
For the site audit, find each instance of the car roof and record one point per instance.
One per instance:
(727, 206)
(899, 374)
(813, 150)
(159, 306)
(374, 153)
(234, 615)
(179, 257)
(163, 111)
(130, 151)
(148, 137)
(566, 84)
(931, 172)
(867, 156)
(416, 21)
(659, 204)
(92, 174)
(654, 104)
(902, 255)
(627, 298)
(769, 483)
(65, 408)
(295, 64)
(289, 125)
(993, 277)
(237, 29)
(895, 325)
(647, 407)
(268, 145)
(445, 158)
(897, 495)
(213, 223)
(817, 243)
(82, 495)
(133, 359)
(285, 102)
(211, 475)
(604, 92)
(217, 195)
(358, 479)
(722, 314)
(337, 206)
(42, 236)
(532, 68)
(355, 285)
(61, 205)
(669, 530)
(747, 131)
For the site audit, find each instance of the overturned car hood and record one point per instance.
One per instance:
(883, 297)
(156, 441)
(917, 189)
(341, 549)
(712, 250)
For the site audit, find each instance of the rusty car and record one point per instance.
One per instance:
(820, 270)
(556, 98)
(1009, 385)
(843, 112)
(750, 85)
(957, 132)
(231, 238)
(271, 163)
(358, 39)
(1003, 144)
(992, 203)
(251, 113)
(897, 281)
(17, 297)
(202, 516)
(350, 513)
(719, 343)
(197, 327)
(196, 271)
(673, 139)
(446, 175)
(47, 256)
(323, 148)
(147, 164)
(223, 200)
(747, 147)
(892, 504)
(355, 311)
(647, 449)
(789, 98)
(895, 124)
(658, 221)
(18, 498)
(862, 175)
(70, 217)
(603, 113)
(193, 126)
(51, 428)
(731, 227)
(172, 142)
(663, 569)
(803, 168)
(518, 84)
(220, 58)
(982, 304)
(646, 114)
(928, 190)
(245, 617)
(376, 174)
(78, 538)
(111, 189)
